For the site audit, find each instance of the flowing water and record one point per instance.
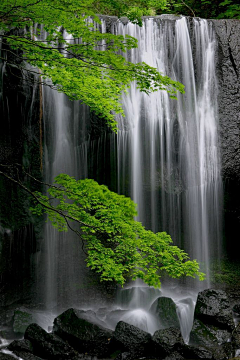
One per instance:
(167, 161)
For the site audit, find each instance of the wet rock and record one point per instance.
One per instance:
(83, 335)
(124, 356)
(223, 352)
(21, 319)
(48, 346)
(236, 336)
(166, 310)
(228, 65)
(193, 352)
(213, 308)
(7, 357)
(167, 341)
(21, 345)
(236, 309)
(201, 335)
(174, 356)
(129, 338)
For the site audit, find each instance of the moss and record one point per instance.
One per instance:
(225, 272)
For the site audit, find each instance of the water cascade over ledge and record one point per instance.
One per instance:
(167, 160)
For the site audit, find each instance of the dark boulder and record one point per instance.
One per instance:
(174, 356)
(124, 356)
(4, 356)
(236, 336)
(213, 308)
(83, 335)
(129, 338)
(23, 349)
(202, 335)
(224, 351)
(216, 352)
(48, 346)
(21, 345)
(166, 311)
(167, 341)
(200, 352)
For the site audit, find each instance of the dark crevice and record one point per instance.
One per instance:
(232, 61)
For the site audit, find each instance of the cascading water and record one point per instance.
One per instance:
(167, 161)
(172, 147)
(168, 158)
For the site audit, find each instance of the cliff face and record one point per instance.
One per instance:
(19, 143)
(227, 32)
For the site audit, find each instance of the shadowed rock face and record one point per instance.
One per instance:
(228, 72)
(228, 67)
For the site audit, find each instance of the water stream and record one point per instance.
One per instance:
(167, 160)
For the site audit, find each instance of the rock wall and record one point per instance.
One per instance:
(228, 67)
(227, 32)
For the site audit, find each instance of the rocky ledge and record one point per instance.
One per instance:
(76, 335)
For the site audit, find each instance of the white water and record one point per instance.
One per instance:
(172, 146)
(168, 157)
(167, 161)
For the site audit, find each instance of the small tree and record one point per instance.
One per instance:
(117, 246)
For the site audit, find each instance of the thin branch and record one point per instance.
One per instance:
(66, 217)
(188, 8)
(13, 8)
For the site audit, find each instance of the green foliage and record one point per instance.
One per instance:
(118, 247)
(80, 61)
(208, 9)
(133, 9)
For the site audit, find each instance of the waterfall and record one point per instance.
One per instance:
(167, 159)
(168, 156)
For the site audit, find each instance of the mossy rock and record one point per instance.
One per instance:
(21, 320)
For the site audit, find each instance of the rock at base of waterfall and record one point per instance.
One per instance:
(200, 352)
(21, 319)
(166, 311)
(201, 335)
(129, 338)
(7, 357)
(167, 341)
(174, 356)
(83, 335)
(216, 352)
(213, 308)
(124, 356)
(236, 336)
(49, 346)
(21, 345)
(205, 335)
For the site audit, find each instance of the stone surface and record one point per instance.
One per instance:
(129, 338)
(82, 335)
(193, 352)
(227, 33)
(166, 311)
(47, 345)
(167, 341)
(21, 345)
(213, 308)
(7, 357)
(201, 335)
(21, 319)
(174, 356)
